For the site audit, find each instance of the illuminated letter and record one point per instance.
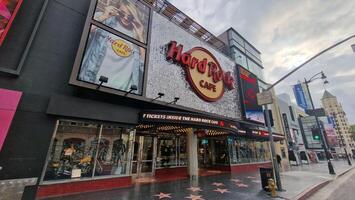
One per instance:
(201, 66)
(174, 52)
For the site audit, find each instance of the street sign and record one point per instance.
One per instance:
(264, 98)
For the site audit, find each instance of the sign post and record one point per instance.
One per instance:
(265, 98)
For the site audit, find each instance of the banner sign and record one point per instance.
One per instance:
(300, 97)
(185, 118)
(8, 11)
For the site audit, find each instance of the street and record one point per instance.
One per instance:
(343, 188)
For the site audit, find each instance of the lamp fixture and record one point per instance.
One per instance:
(133, 88)
(102, 79)
(175, 100)
(160, 95)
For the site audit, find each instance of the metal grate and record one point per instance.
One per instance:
(181, 19)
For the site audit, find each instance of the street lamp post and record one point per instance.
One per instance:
(324, 145)
(342, 139)
(330, 166)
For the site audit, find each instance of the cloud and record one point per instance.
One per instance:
(287, 33)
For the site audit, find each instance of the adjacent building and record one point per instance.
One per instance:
(290, 114)
(334, 109)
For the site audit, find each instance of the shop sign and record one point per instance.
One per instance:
(203, 71)
(184, 118)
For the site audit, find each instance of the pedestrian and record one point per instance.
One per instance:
(278, 158)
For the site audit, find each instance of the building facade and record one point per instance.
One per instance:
(99, 100)
(334, 109)
(290, 114)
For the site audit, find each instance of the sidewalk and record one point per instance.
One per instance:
(296, 182)
(300, 180)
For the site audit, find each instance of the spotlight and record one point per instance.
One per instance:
(175, 100)
(133, 87)
(160, 95)
(102, 79)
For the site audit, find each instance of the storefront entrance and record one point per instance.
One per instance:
(212, 152)
(143, 162)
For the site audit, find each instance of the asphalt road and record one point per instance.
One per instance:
(342, 188)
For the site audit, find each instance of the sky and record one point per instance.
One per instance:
(287, 33)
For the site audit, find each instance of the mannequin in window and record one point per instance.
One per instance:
(119, 150)
(164, 152)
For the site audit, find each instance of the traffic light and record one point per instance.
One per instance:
(316, 134)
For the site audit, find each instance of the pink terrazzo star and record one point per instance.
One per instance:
(222, 190)
(194, 189)
(235, 180)
(163, 195)
(241, 185)
(194, 197)
(218, 184)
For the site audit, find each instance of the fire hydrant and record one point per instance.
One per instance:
(272, 187)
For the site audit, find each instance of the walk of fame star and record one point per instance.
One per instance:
(222, 190)
(194, 197)
(236, 180)
(241, 185)
(194, 189)
(217, 184)
(163, 195)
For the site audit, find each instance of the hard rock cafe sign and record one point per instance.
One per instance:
(203, 71)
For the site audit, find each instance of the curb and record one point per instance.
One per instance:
(307, 193)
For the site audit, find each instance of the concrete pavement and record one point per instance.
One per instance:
(342, 188)
(297, 182)
(300, 180)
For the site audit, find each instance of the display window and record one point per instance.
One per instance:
(248, 151)
(86, 150)
(171, 151)
(111, 56)
(130, 17)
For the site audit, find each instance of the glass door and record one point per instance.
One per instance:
(142, 163)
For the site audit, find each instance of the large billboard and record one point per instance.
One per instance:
(329, 131)
(307, 124)
(8, 11)
(182, 66)
(115, 46)
(9, 100)
(249, 87)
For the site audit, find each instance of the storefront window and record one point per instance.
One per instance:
(248, 151)
(113, 151)
(84, 150)
(171, 151)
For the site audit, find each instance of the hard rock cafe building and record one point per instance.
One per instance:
(107, 93)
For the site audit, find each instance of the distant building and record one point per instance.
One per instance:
(333, 108)
(289, 115)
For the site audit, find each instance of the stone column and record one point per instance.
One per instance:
(192, 154)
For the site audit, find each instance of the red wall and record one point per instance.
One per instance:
(175, 173)
(62, 189)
